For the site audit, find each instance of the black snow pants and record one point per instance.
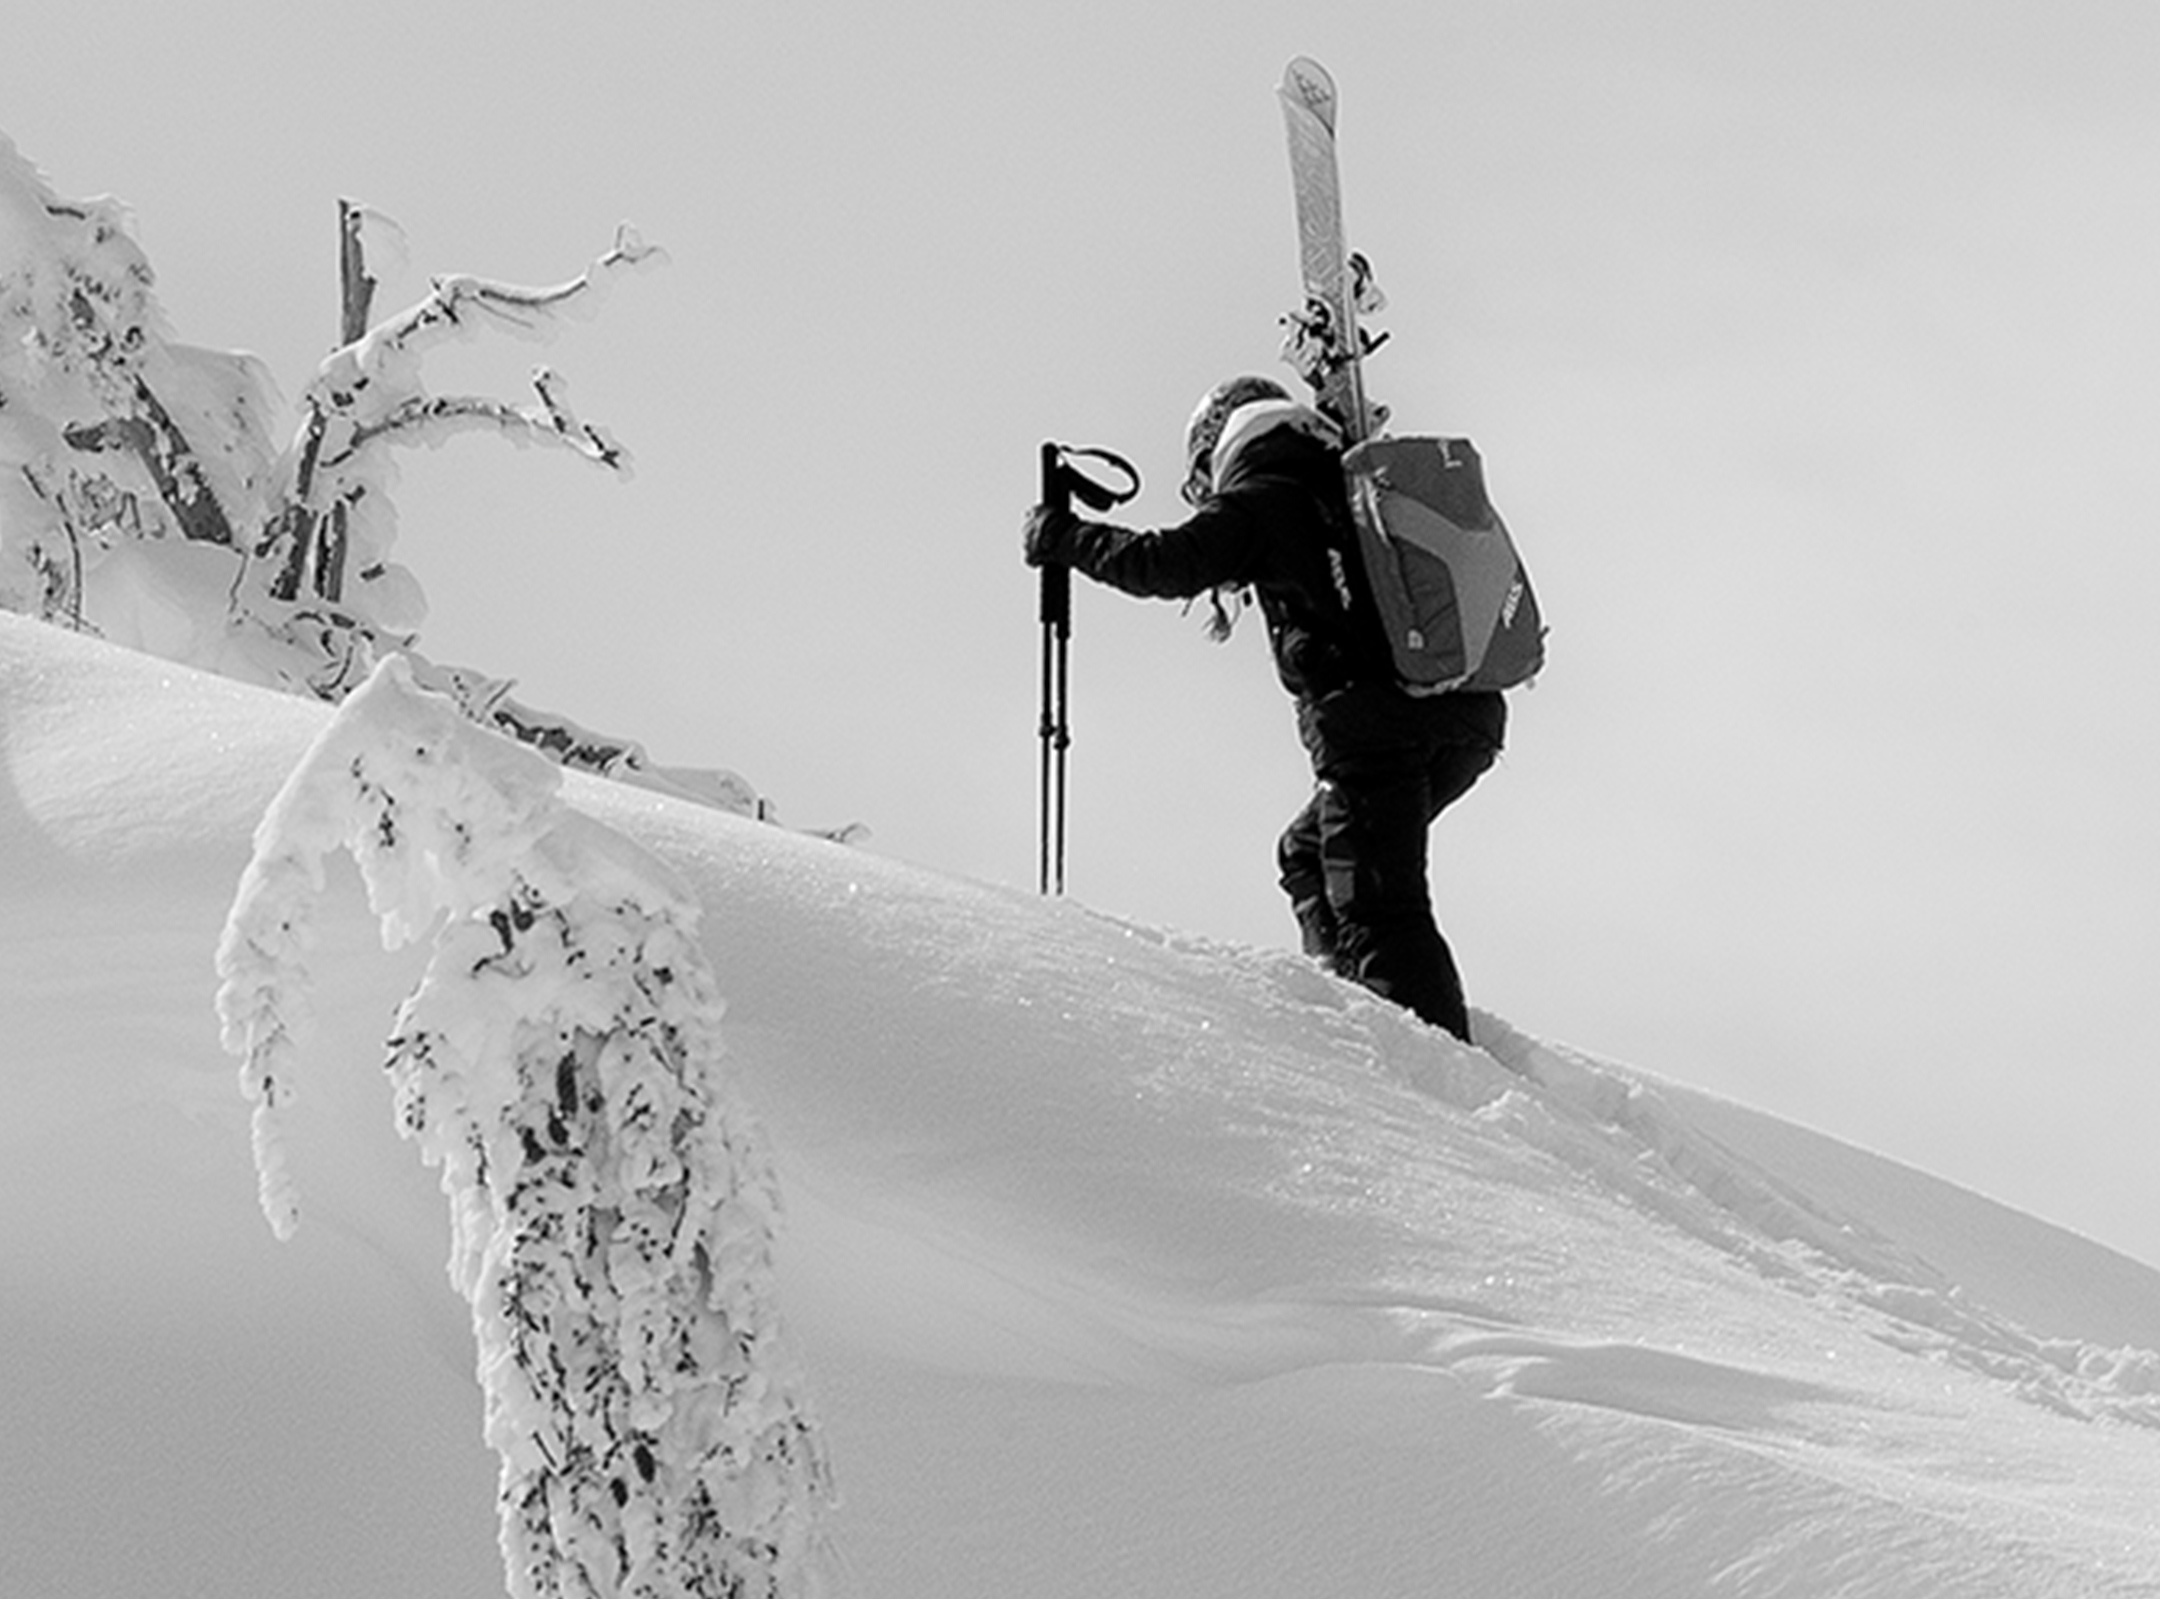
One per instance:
(1353, 861)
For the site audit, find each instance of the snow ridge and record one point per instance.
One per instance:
(1615, 1128)
(613, 1209)
(1641, 1147)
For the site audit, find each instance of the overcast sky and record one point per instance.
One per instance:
(1814, 353)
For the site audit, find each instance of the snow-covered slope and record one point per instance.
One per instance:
(1121, 1263)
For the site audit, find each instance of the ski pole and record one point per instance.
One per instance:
(1062, 482)
(1055, 730)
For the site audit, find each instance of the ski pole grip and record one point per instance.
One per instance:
(1056, 576)
(1062, 483)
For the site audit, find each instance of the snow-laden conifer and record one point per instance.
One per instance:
(144, 496)
(613, 1209)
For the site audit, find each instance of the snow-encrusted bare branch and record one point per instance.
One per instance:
(369, 395)
(386, 359)
(427, 419)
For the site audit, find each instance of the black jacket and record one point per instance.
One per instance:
(1280, 523)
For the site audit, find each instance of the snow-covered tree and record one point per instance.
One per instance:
(320, 571)
(613, 1209)
(110, 433)
(143, 497)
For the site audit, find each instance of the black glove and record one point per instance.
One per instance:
(1046, 536)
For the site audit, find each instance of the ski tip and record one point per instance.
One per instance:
(1307, 83)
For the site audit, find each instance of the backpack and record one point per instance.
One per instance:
(1451, 591)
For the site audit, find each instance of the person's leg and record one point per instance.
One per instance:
(1373, 841)
(1452, 772)
(1377, 796)
(1304, 880)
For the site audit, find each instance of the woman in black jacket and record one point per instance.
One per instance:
(1272, 515)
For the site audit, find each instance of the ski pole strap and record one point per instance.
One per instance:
(1090, 491)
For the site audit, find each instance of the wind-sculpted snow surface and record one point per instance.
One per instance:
(1120, 1261)
(612, 1211)
(1151, 1162)
(1641, 1147)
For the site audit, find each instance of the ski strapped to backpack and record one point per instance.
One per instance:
(1324, 343)
(1444, 573)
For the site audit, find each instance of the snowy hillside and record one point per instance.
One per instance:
(1119, 1263)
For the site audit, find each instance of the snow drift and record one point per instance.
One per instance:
(1119, 1261)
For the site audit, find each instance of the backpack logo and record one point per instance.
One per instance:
(1514, 600)
(1341, 575)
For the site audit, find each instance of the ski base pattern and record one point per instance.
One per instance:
(1324, 344)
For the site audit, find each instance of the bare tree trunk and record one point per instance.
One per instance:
(357, 289)
(153, 438)
(356, 293)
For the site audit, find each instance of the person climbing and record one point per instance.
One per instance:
(1271, 514)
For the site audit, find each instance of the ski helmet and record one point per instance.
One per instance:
(1257, 419)
(1206, 426)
